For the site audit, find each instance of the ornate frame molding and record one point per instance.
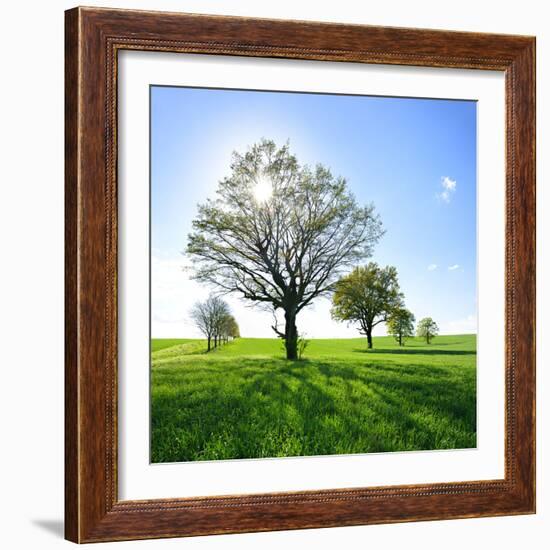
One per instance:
(93, 38)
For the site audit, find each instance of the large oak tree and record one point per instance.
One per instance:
(279, 233)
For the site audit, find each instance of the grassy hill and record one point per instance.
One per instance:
(245, 400)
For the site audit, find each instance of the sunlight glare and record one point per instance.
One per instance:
(263, 190)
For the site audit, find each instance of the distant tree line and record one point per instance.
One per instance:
(367, 296)
(214, 319)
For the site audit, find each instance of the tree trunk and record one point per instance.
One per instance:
(291, 336)
(369, 338)
(209, 338)
(400, 340)
(215, 341)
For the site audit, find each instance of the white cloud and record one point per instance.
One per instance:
(432, 267)
(449, 187)
(453, 267)
(448, 183)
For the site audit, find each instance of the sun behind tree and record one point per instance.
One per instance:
(279, 234)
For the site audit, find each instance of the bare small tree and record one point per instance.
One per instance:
(279, 234)
(201, 317)
(219, 311)
(209, 317)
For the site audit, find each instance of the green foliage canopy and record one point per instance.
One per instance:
(400, 325)
(367, 296)
(427, 328)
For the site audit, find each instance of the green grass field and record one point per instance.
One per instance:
(245, 400)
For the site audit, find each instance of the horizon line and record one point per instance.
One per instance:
(312, 338)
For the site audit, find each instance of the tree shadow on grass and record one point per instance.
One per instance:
(393, 370)
(258, 410)
(418, 386)
(415, 351)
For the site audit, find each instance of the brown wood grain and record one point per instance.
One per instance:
(71, 269)
(93, 38)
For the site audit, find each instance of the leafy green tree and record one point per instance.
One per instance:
(231, 328)
(427, 328)
(224, 329)
(367, 296)
(400, 325)
(234, 330)
(280, 234)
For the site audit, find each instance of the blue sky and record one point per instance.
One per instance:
(415, 159)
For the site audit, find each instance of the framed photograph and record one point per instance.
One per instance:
(300, 275)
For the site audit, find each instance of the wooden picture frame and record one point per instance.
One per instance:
(93, 511)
